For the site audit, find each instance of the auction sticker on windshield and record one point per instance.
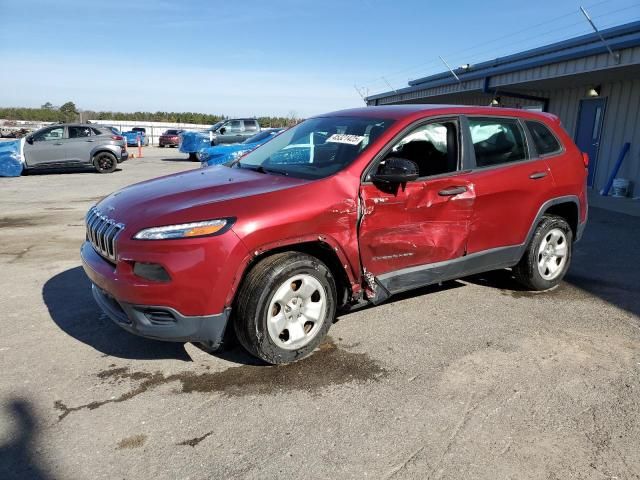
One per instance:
(343, 138)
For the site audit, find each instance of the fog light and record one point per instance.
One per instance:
(151, 271)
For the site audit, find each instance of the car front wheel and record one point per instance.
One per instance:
(285, 307)
(105, 162)
(548, 255)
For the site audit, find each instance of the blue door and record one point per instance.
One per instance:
(589, 131)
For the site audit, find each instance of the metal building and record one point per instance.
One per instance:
(591, 84)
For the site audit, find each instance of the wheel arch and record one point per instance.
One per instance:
(102, 149)
(567, 207)
(322, 248)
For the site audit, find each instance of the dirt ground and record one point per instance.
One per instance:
(472, 379)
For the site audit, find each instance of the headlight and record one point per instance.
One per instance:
(185, 230)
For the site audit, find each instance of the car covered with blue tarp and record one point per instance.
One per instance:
(219, 154)
(11, 158)
(227, 131)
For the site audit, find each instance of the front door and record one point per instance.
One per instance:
(46, 146)
(407, 227)
(589, 131)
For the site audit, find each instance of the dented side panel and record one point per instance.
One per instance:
(414, 225)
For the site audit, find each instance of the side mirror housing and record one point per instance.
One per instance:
(29, 139)
(396, 170)
(222, 130)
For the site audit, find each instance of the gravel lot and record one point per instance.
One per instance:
(472, 379)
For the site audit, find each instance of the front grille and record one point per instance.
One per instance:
(102, 233)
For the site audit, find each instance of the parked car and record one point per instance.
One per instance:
(220, 154)
(227, 131)
(132, 137)
(74, 145)
(170, 138)
(375, 202)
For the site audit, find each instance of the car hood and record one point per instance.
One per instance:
(200, 194)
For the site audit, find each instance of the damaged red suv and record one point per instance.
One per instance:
(343, 210)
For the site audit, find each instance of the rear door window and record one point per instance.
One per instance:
(497, 141)
(545, 142)
(79, 132)
(234, 126)
(250, 125)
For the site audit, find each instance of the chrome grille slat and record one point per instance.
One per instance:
(102, 233)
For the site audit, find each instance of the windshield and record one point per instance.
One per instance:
(261, 136)
(316, 148)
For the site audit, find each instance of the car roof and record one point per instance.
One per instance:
(398, 112)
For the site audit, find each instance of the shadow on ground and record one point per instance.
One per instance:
(61, 171)
(72, 307)
(178, 159)
(18, 457)
(605, 262)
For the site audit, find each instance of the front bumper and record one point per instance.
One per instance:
(162, 323)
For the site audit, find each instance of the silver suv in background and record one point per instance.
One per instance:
(73, 146)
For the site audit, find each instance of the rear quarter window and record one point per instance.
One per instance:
(545, 141)
(497, 141)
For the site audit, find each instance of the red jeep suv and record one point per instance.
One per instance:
(340, 211)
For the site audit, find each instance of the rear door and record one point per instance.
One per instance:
(511, 183)
(80, 143)
(47, 147)
(407, 227)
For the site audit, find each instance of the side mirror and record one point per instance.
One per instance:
(396, 170)
(29, 139)
(222, 130)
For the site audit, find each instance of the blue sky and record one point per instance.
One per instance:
(261, 57)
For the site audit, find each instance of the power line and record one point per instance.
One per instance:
(459, 54)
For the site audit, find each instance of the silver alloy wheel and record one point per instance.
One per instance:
(296, 312)
(552, 254)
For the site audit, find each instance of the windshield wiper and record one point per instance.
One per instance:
(261, 169)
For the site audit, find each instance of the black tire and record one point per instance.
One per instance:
(527, 271)
(105, 162)
(161, 146)
(193, 157)
(255, 296)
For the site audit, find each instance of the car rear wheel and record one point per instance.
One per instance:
(105, 162)
(193, 157)
(548, 255)
(285, 307)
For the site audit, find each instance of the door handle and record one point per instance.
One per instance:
(89, 140)
(447, 192)
(537, 175)
(58, 143)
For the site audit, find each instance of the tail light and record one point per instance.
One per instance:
(117, 137)
(585, 159)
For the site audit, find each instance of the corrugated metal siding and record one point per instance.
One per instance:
(628, 56)
(621, 124)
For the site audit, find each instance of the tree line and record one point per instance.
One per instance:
(68, 112)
